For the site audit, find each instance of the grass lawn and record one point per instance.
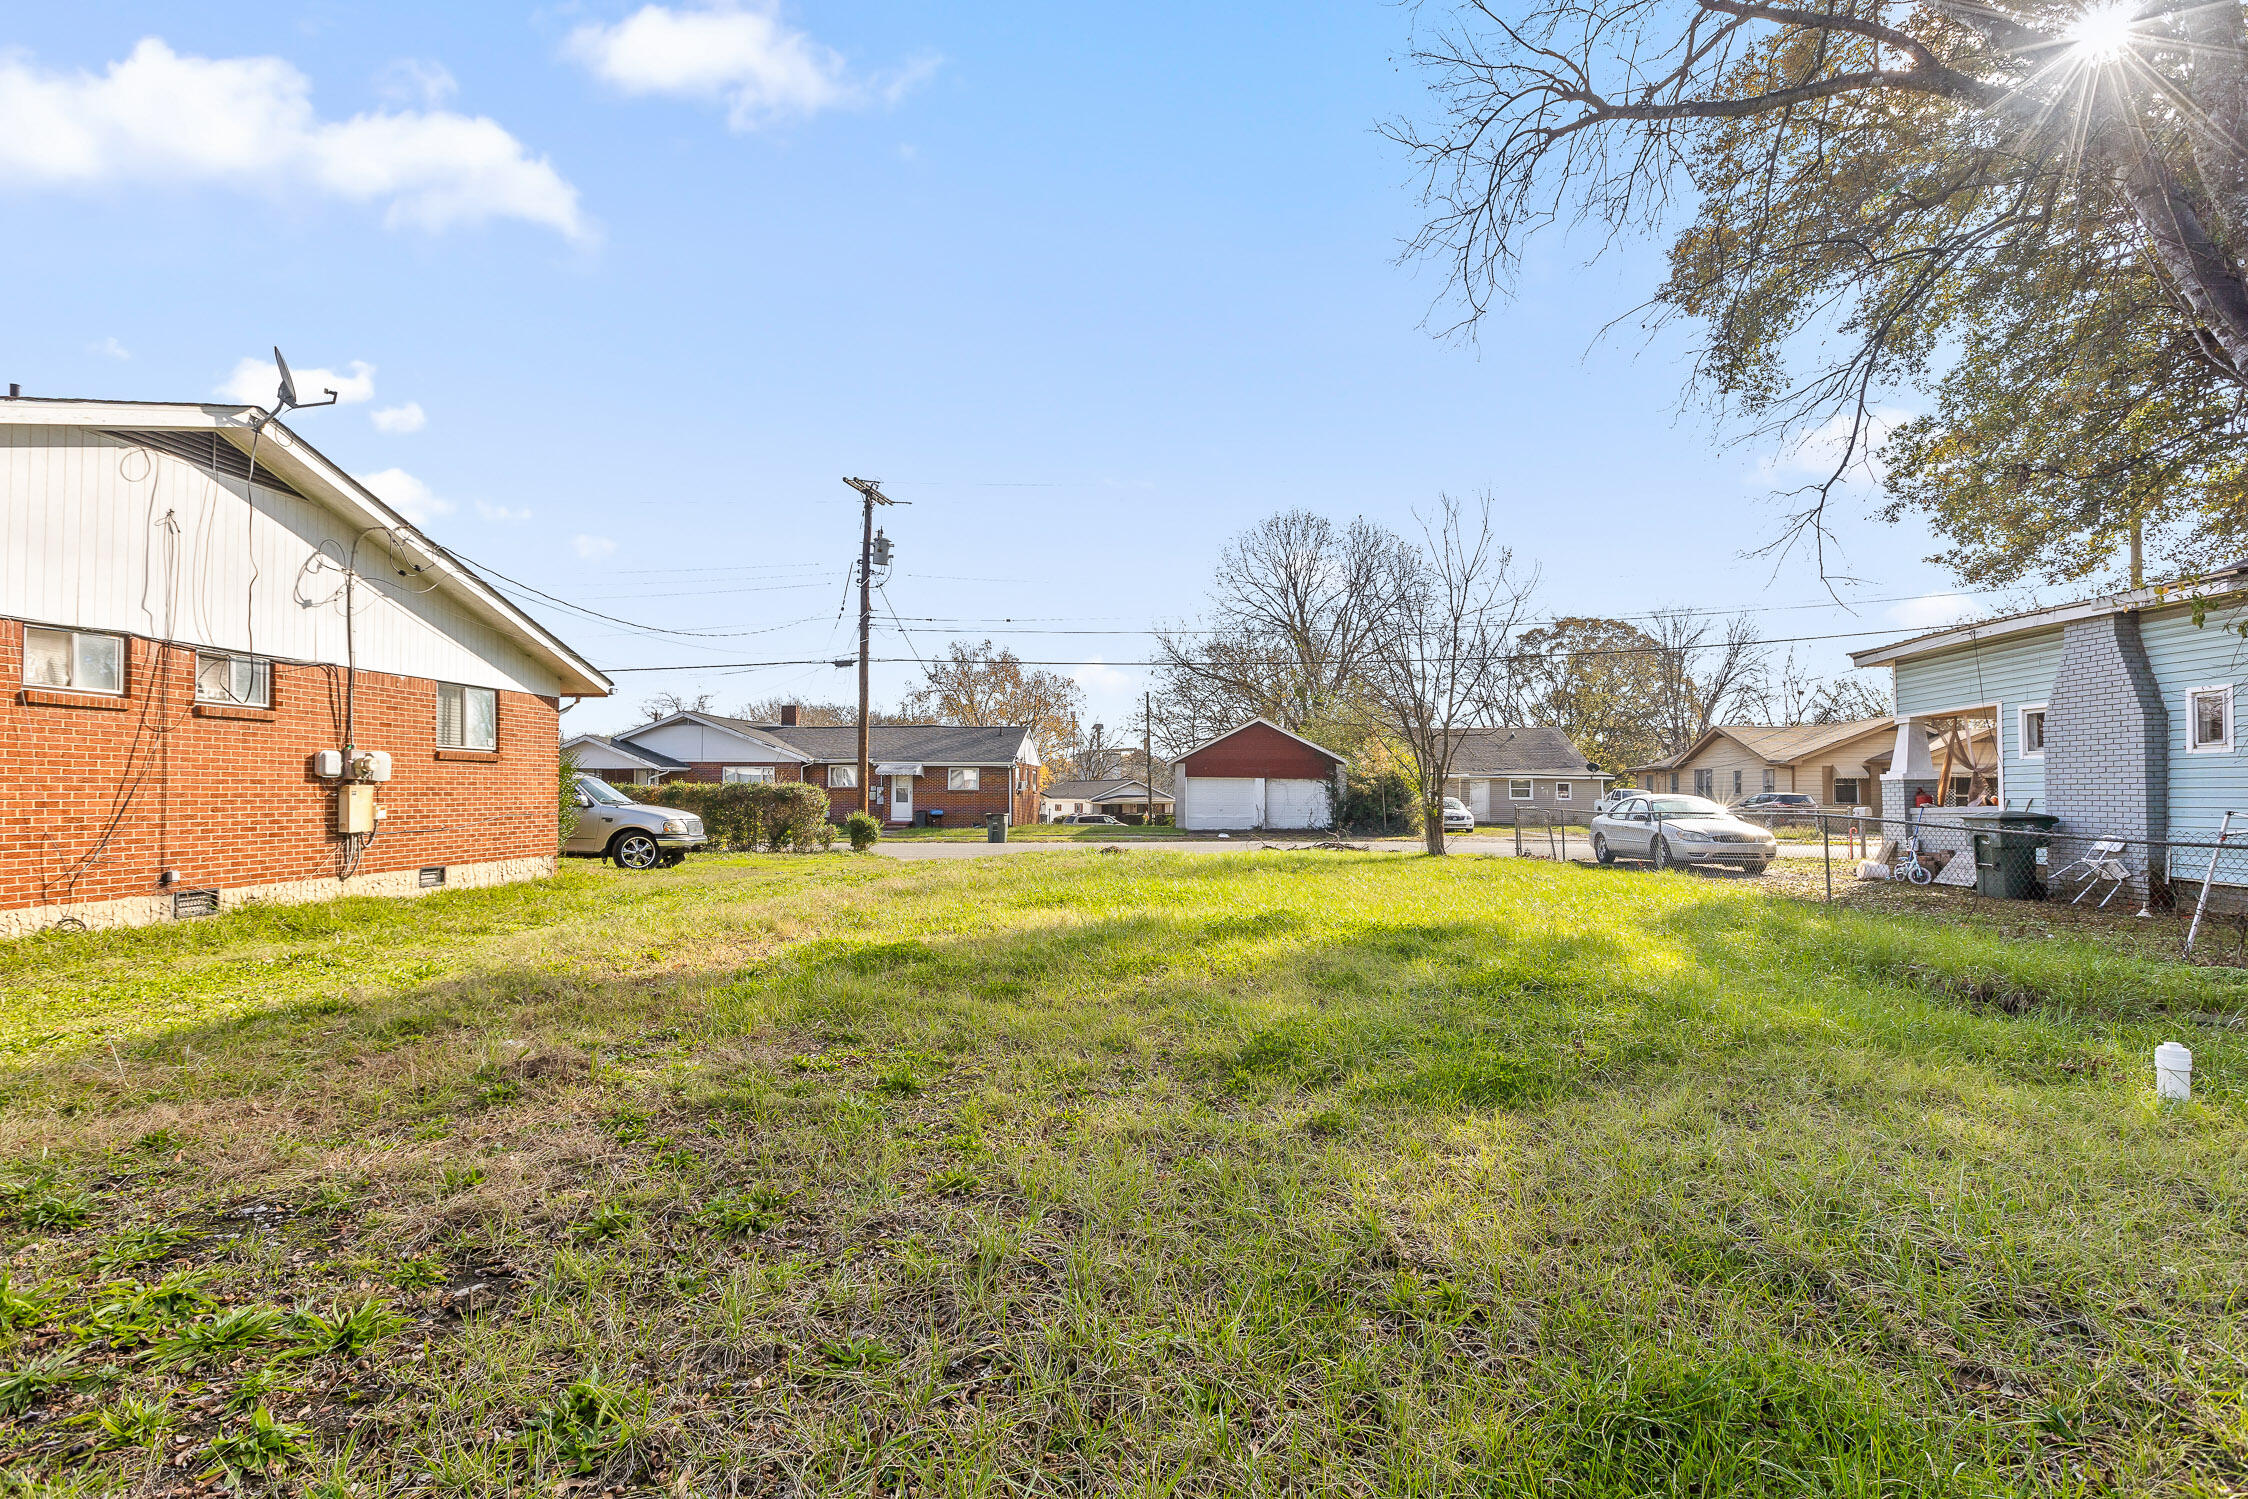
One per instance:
(1145, 1174)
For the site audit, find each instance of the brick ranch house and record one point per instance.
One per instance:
(963, 774)
(177, 662)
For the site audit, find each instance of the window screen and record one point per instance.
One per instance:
(233, 679)
(81, 660)
(467, 717)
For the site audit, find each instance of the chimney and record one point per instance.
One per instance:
(15, 391)
(788, 716)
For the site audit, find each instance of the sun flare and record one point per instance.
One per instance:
(2103, 33)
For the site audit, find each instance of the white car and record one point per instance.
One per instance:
(1457, 818)
(1674, 831)
(1616, 795)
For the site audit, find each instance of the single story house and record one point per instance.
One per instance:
(1839, 763)
(1257, 776)
(922, 772)
(1500, 771)
(1126, 800)
(2115, 715)
(187, 722)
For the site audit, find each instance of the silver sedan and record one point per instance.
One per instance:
(1675, 831)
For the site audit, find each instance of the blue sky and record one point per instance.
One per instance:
(620, 292)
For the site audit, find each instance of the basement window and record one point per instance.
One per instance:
(430, 876)
(76, 660)
(233, 679)
(467, 717)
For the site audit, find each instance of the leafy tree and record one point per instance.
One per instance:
(985, 684)
(1600, 681)
(1881, 191)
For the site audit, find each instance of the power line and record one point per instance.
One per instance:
(1508, 656)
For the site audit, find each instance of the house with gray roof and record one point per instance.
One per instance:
(952, 774)
(1500, 771)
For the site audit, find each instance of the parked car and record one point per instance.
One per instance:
(1457, 818)
(612, 825)
(1096, 819)
(1779, 801)
(1675, 830)
(1615, 795)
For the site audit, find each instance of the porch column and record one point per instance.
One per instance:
(1911, 768)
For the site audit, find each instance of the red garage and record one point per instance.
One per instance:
(1257, 776)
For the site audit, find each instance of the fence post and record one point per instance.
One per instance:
(1826, 851)
(1518, 832)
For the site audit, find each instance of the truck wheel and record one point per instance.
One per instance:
(633, 849)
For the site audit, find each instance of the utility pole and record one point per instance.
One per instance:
(1147, 751)
(871, 495)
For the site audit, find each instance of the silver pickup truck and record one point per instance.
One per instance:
(612, 825)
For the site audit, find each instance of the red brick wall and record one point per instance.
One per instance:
(1259, 750)
(97, 795)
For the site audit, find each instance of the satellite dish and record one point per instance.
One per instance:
(285, 399)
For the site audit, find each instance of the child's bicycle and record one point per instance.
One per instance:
(1908, 865)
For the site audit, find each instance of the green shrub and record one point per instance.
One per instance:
(774, 815)
(566, 798)
(1379, 803)
(863, 830)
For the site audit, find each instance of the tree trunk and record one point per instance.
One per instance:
(2197, 265)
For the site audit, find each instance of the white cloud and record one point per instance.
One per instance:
(406, 494)
(1816, 453)
(1934, 611)
(396, 420)
(490, 511)
(1098, 680)
(163, 120)
(254, 381)
(593, 548)
(742, 55)
(109, 348)
(416, 80)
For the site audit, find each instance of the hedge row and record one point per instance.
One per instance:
(748, 815)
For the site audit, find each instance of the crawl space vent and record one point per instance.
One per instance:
(432, 876)
(186, 903)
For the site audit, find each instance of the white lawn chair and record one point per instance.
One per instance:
(2102, 861)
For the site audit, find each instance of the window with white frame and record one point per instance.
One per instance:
(1771, 782)
(746, 775)
(2209, 719)
(843, 775)
(243, 680)
(2033, 731)
(76, 660)
(963, 778)
(1518, 791)
(1563, 790)
(467, 717)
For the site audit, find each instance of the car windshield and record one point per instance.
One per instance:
(1685, 806)
(602, 791)
(1454, 804)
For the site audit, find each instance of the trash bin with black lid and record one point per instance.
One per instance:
(995, 827)
(2006, 842)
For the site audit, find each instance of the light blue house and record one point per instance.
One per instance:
(2115, 715)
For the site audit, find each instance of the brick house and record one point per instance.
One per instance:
(176, 663)
(959, 773)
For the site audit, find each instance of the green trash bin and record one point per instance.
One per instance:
(995, 827)
(2006, 844)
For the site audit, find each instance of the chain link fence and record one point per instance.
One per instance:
(2199, 883)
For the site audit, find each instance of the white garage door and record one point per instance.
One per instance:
(1296, 804)
(1219, 802)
